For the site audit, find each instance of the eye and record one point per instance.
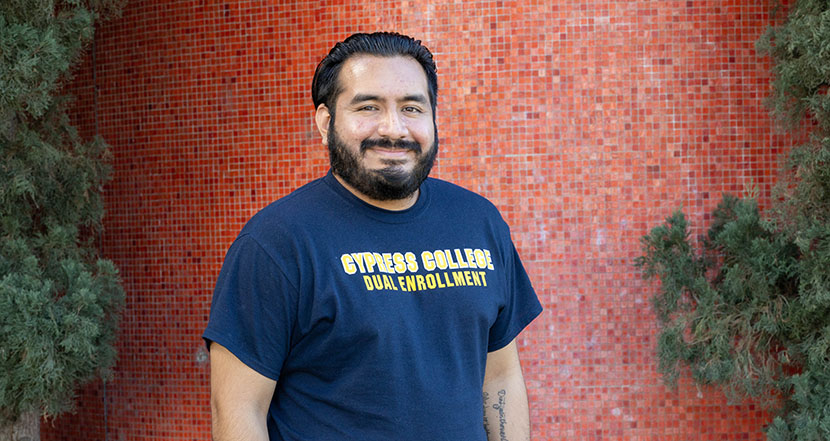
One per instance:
(368, 108)
(412, 109)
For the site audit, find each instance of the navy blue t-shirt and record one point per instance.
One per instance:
(375, 324)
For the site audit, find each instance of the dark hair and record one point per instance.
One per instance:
(325, 87)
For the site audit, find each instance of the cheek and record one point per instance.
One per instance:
(351, 129)
(424, 133)
(363, 129)
(358, 129)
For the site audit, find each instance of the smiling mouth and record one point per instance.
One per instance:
(391, 151)
(385, 145)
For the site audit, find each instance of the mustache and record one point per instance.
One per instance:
(387, 143)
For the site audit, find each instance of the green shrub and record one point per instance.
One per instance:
(748, 307)
(59, 299)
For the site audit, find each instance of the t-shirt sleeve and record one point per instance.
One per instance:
(253, 308)
(520, 307)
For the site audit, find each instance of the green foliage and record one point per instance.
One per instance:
(799, 49)
(748, 309)
(60, 301)
(721, 312)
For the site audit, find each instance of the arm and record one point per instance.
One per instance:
(506, 415)
(239, 398)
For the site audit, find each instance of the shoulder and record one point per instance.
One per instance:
(293, 209)
(285, 226)
(454, 196)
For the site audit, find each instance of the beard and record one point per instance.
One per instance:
(391, 182)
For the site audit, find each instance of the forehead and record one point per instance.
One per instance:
(385, 77)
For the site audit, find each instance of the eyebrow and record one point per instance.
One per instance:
(419, 98)
(362, 97)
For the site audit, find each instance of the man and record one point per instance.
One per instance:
(373, 303)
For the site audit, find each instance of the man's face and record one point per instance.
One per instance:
(382, 141)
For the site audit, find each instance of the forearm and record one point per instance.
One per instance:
(239, 398)
(506, 414)
(238, 426)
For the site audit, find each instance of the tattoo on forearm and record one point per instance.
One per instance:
(500, 407)
(485, 398)
(502, 419)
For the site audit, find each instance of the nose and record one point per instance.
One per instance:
(392, 125)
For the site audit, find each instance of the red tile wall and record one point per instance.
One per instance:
(587, 122)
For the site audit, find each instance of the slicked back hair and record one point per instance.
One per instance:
(325, 86)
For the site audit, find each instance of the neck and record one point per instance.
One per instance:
(392, 205)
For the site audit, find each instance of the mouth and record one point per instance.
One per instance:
(385, 146)
(391, 152)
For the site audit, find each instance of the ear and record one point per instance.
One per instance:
(323, 117)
